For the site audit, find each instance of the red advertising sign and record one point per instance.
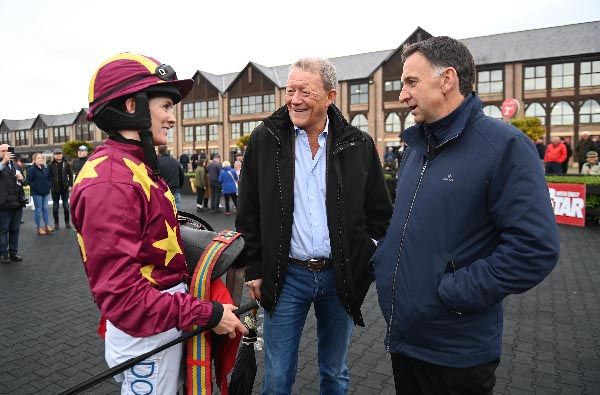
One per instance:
(568, 202)
(509, 107)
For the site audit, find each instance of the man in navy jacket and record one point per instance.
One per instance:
(472, 224)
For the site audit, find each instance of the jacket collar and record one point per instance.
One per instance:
(131, 149)
(281, 124)
(442, 130)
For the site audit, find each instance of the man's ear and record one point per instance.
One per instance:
(331, 95)
(130, 105)
(450, 81)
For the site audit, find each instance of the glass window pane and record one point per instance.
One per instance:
(585, 67)
(556, 69)
(569, 81)
(596, 79)
(483, 76)
(556, 82)
(569, 68)
(540, 83)
(529, 72)
(496, 75)
(529, 85)
(540, 71)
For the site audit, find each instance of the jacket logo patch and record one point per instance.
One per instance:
(448, 178)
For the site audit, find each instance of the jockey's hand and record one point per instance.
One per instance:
(230, 323)
(254, 288)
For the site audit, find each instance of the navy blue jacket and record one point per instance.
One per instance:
(39, 180)
(472, 224)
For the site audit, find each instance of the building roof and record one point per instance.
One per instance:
(59, 120)
(19, 124)
(221, 82)
(550, 42)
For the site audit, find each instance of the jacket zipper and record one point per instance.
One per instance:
(277, 273)
(389, 327)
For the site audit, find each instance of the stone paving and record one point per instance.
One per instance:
(48, 342)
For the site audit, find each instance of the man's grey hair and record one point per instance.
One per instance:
(444, 52)
(318, 66)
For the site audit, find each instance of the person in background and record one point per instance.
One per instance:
(62, 181)
(591, 166)
(228, 180)
(565, 163)
(194, 160)
(556, 153)
(237, 166)
(184, 161)
(309, 216)
(462, 237)
(11, 209)
(201, 183)
(172, 173)
(40, 182)
(541, 148)
(79, 162)
(583, 147)
(214, 171)
(390, 157)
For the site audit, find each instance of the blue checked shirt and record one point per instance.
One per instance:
(310, 234)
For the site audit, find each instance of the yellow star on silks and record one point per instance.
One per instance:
(140, 175)
(170, 244)
(169, 195)
(146, 271)
(89, 169)
(82, 247)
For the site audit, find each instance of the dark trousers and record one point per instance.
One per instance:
(553, 168)
(200, 199)
(10, 222)
(215, 194)
(414, 377)
(233, 197)
(56, 198)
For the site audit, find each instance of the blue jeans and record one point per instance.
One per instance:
(283, 329)
(10, 221)
(177, 195)
(41, 210)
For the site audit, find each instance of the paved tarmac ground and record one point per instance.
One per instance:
(48, 341)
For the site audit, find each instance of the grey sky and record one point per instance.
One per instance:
(51, 48)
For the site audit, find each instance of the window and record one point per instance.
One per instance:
(40, 136)
(188, 133)
(490, 82)
(236, 131)
(213, 108)
(563, 75)
(213, 152)
(84, 131)
(60, 134)
(4, 139)
(21, 137)
(188, 110)
(492, 111)
(589, 74)
(392, 123)
(359, 93)
(536, 110)
(213, 132)
(390, 86)
(409, 120)
(360, 121)
(235, 106)
(201, 133)
(535, 78)
(170, 135)
(562, 114)
(252, 104)
(590, 112)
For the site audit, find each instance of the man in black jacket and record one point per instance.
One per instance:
(62, 181)
(10, 207)
(312, 202)
(172, 173)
